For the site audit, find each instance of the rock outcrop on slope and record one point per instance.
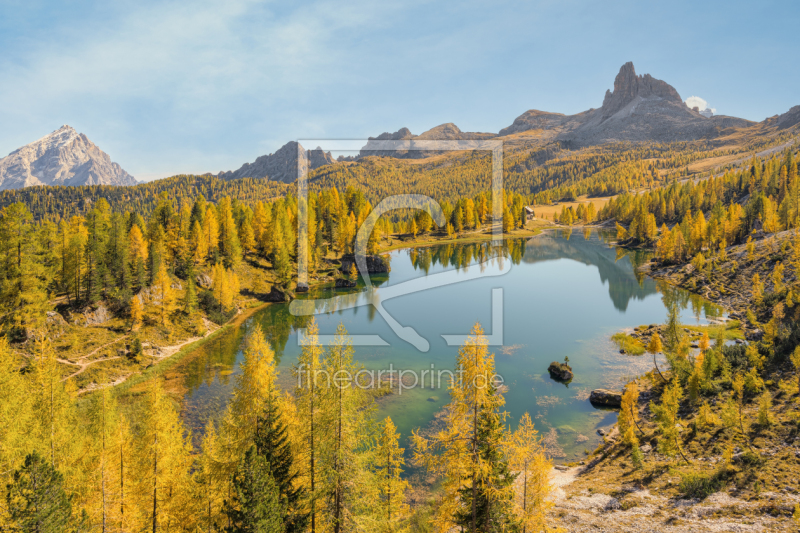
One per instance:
(280, 166)
(534, 119)
(789, 119)
(64, 157)
(443, 132)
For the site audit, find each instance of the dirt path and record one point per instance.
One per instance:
(33, 356)
(164, 353)
(81, 358)
(84, 365)
(167, 351)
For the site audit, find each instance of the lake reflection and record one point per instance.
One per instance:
(564, 294)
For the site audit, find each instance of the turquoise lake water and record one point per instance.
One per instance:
(563, 295)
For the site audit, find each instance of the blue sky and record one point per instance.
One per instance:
(174, 87)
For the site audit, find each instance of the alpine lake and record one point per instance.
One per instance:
(564, 293)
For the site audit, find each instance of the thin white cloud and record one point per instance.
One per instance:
(696, 101)
(206, 51)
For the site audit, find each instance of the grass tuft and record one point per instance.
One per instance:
(625, 342)
(700, 484)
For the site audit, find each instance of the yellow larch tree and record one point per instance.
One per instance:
(233, 285)
(777, 278)
(260, 222)
(198, 242)
(527, 458)
(225, 286)
(223, 449)
(163, 294)
(211, 230)
(452, 453)
(137, 245)
(108, 452)
(122, 477)
(254, 387)
(629, 415)
(137, 312)
(211, 481)
(54, 408)
(666, 417)
(163, 457)
(698, 377)
(388, 497)
(17, 422)
(306, 429)
(705, 417)
(654, 347)
(345, 413)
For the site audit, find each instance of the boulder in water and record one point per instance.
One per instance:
(343, 283)
(375, 264)
(606, 397)
(560, 371)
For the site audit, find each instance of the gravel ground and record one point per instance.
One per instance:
(578, 510)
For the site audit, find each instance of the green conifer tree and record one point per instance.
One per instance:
(491, 510)
(272, 443)
(36, 500)
(257, 505)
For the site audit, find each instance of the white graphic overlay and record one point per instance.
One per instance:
(375, 296)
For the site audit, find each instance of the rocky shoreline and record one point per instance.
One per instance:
(607, 494)
(729, 281)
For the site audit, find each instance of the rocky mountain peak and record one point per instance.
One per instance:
(400, 135)
(445, 131)
(628, 86)
(62, 135)
(639, 109)
(282, 165)
(63, 157)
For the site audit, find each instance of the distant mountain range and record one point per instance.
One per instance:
(639, 109)
(65, 157)
(443, 132)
